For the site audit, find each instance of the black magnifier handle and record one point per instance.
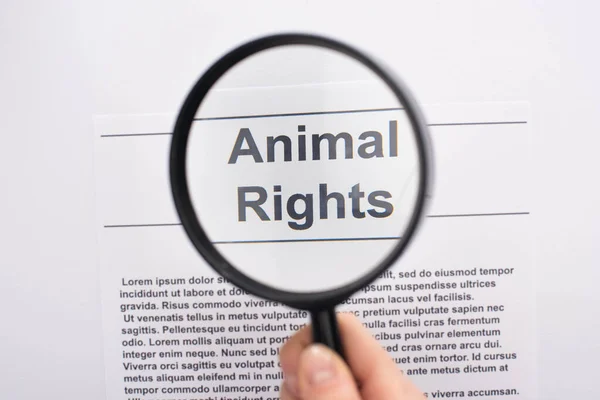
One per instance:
(325, 330)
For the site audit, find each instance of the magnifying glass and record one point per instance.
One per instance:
(300, 169)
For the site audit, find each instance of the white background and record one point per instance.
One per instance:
(63, 61)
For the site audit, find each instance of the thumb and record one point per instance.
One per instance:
(322, 374)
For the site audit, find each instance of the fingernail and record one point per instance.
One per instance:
(291, 383)
(320, 365)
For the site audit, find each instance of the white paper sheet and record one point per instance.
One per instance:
(456, 312)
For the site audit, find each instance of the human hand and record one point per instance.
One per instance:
(314, 372)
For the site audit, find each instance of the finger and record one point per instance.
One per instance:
(322, 374)
(376, 373)
(286, 395)
(289, 356)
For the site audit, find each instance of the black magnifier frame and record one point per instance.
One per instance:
(320, 304)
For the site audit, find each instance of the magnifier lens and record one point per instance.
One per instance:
(302, 168)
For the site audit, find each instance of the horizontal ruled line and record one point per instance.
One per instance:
(308, 240)
(358, 111)
(142, 225)
(478, 215)
(302, 114)
(479, 123)
(439, 124)
(322, 239)
(137, 134)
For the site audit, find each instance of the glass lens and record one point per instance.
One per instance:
(302, 168)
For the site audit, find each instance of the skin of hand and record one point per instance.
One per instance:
(314, 372)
